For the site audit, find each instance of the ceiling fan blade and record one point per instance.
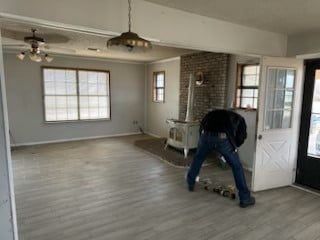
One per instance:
(59, 49)
(14, 45)
(48, 37)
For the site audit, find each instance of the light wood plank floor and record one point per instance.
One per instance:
(109, 189)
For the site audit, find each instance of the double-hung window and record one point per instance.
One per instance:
(247, 86)
(76, 94)
(158, 86)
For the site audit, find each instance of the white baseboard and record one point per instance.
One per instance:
(247, 168)
(73, 139)
(153, 135)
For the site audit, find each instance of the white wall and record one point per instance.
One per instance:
(157, 113)
(25, 104)
(7, 204)
(170, 26)
(304, 44)
(247, 150)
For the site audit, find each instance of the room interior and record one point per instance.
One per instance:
(83, 46)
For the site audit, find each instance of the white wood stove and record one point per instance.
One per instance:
(184, 134)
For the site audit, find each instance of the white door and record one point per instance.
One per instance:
(279, 109)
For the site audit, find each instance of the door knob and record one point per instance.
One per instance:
(259, 136)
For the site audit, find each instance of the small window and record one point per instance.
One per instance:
(72, 94)
(247, 86)
(158, 86)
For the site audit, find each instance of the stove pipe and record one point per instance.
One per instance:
(189, 115)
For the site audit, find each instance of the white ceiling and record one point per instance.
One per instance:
(77, 44)
(290, 17)
(282, 16)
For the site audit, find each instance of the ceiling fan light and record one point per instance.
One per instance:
(48, 58)
(21, 56)
(35, 57)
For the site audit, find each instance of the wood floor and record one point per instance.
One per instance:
(109, 189)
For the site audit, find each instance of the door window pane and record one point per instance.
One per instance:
(279, 98)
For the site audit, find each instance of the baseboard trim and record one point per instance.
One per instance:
(152, 135)
(247, 168)
(74, 139)
(305, 189)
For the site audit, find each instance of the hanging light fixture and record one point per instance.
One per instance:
(35, 56)
(34, 53)
(48, 58)
(129, 41)
(21, 55)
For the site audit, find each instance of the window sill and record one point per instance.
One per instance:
(78, 121)
(247, 109)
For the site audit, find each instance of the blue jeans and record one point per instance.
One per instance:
(208, 143)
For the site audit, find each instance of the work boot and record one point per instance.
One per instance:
(251, 201)
(190, 188)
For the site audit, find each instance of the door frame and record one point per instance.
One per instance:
(306, 110)
(8, 171)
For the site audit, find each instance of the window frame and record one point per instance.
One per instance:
(154, 88)
(78, 96)
(239, 86)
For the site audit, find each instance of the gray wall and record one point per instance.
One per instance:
(25, 105)
(157, 113)
(247, 150)
(6, 209)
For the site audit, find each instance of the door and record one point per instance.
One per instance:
(278, 122)
(308, 167)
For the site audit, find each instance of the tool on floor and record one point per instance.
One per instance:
(223, 190)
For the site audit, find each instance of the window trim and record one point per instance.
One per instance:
(42, 68)
(239, 86)
(154, 88)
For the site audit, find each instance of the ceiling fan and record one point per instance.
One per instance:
(34, 52)
(35, 44)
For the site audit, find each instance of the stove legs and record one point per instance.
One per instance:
(185, 150)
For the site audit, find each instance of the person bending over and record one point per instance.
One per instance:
(222, 131)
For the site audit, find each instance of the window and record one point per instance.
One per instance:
(158, 86)
(247, 86)
(72, 94)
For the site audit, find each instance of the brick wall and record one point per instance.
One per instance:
(212, 94)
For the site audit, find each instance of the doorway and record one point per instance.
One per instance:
(308, 165)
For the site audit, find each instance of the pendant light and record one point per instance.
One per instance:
(129, 41)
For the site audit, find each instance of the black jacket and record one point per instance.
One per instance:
(228, 122)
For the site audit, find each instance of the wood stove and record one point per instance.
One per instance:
(184, 134)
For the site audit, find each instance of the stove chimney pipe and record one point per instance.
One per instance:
(189, 115)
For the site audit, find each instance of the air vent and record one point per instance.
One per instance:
(94, 49)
